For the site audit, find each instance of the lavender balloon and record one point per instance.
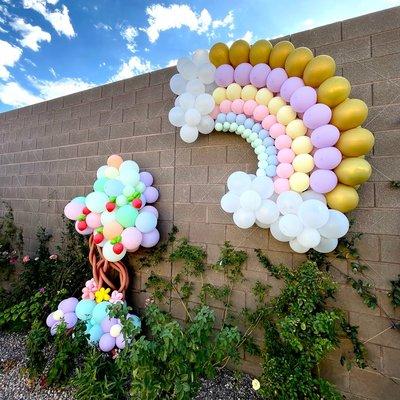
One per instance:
(327, 158)
(106, 343)
(108, 322)
(258, 75)
(325, 136)
(242, 74)
(275, 79)
(290, 86)
(151, 194)
(317, 115)
(323, 181)
(151, 209)
(70, 319)
(120, 341)
(146, 178)
(68, 305)
(303, 98)
(150, 239)
(224, 75)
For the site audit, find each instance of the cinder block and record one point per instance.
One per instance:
(138, 112)
(112, 146)
(208, 155)
(137, 82)
(69, 151)
(160, 108)
(385, 168)
(111, 117)
(208, 194)
(167, 158)
(207, 233)
(190, 213)
(148, 127)
(390, 248)
(133, 144)
(182, 193)
(386, 92)
(362, 92)
(386, 43)
(124, 100)
(162, 75)
(89, 121)
(121, 130)
(391, 365)
(99, 134)
(70, 125)
(112, 89)
(191, 174)
(149, 95)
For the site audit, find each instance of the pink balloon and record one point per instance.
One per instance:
(276, 130)
(275, 79)
(87, 231)
(327, 158)
(325, 136)
(317, 115)
(260, 112)
(215, 112)
(290, 86)
(286, 155)
(131, 238)
(93, 220)
(107, 343)
(303, 98)
(283, 142)
(249, 107)
(258, 75)
(151, 209)
(242, 74)
(284, 170)
(225, 106)
(150, 239)
(237, 106)
(73, 210)
(281, 185)
(323, 181)
(268, 121)
(224, 75)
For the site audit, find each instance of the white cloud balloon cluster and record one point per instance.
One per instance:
(302, 220)
(193, 84)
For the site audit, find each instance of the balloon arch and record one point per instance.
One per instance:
(305, 131)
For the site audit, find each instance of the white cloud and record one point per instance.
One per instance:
(248, 37)
(13, 94)
(172, 63)
(101, 25)
(31, 35)
(59, 18)
(2, 30)
(308, 23)
(134, 66)
(162, 18)
(10, 54)
(129, 34)
(53, 72)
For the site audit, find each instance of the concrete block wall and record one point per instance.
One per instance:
(49, 153)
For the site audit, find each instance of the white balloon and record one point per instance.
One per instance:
(192, 117)
(250, 200)
(264, 186)
(206, 125)
(107, 217)
(326, 245)
(268, 213)
(277, 234)
(290, 225)
(101, 171)
(311, 195)
(200, 56)
(109, 254)
(204, 103)
(289, 202)
(186, 101)
(176, 102)
(176, 116)
(211, 87)
(195, 86)
(310, 237)
(186, 68)
(243, 219)
(129, 177)
(230, 202)
(261, 225)
(313, 213)
(336, 227)
(238, 182)
(297, 247)
(177, 84)
(206, 73)
(189, 133)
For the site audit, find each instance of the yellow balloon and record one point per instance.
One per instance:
(302, 145)
(297, 61)
(275, 104)
(248, 92)
(349, 114)
(263, 96)
(112, 229)
(219, 95)
(318, 70)
(353, 171)
(280, 53)
(260, 51)
(333, 91)
(296, 128)
(299, 182)
(239, 52)
(285, 115)
(233, 91)
(303, 163)
(343, 198)
(219, 54)
(355, 142)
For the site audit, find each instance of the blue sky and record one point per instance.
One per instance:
(49, 48)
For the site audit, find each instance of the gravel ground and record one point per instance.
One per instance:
(14, 384)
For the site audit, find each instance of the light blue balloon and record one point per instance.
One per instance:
(113, 187)
(248, 123)
(240, 119)
(84, 309)
(267, 142)
(221, 117)
(136, 321)
(273, 160)
(100, 311)
(95, 333)
(146, 222)
(263, 134)
(256, 127)
(271, 150)
(98, 185)
(270, 171)
(231, 117)
(79, 199)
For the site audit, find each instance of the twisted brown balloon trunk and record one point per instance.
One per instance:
(102, 268)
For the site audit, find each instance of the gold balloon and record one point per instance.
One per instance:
(239, 52)
(334, 91)
(355, 142)
(219, 54)
(353, 171)
(260, 51)
(297, 61)
(318, 70)
(349, 114)
(280, 53)
(343, 198)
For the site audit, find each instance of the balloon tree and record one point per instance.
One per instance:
(305, 131)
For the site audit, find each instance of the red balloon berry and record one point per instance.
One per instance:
(118, 248)
(86, 211)
(110, 206)
(82, 225)
(137, 203)
(98, 238)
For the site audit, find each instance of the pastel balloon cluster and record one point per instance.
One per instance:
(194, 105)
(117, 211)
(65, 313)
(302, 220)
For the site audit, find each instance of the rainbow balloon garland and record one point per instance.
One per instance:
(305, 130)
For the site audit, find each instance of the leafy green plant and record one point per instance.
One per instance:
(36, 343)
(394, 294)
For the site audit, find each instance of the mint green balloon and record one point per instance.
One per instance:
(121, 200)
(140, 187)
(128, 190)
(98, 185)
(126, 215)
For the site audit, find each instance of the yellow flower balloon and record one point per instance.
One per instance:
(355, 142)
(353, 171)
(297, 60)
(318, 70)
(219, 54)
(349, 114)
(343, 198)
(260, 51)
(280, 53)
(334, 91)
(102, 295)
(239, 52)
